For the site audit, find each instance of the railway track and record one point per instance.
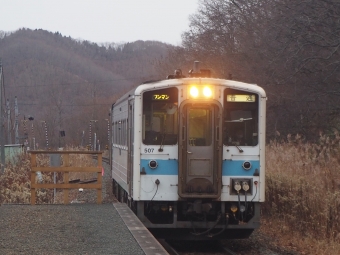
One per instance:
(214, 247)
(230, 252)
(104, 159)
(195, 247)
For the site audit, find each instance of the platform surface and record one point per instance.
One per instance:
(145, 239)
(74, 229)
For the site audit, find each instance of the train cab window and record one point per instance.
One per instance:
(160, 121)
(240, 118)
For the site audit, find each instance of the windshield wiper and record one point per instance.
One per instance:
(239, 148)
(162, 141)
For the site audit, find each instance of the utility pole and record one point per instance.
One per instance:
(32, 145)
(90, 133)
(46, 136)
(108, 131)
(16, 111)
(82, 139)
(9, 141)
(25, 131)
(95, 142)
(2, 143)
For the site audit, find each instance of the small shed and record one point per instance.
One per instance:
(12, 152)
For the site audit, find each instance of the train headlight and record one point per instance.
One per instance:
(153, 164)
(194, 92)
(207, 91)
(246, 165)
(233, 208)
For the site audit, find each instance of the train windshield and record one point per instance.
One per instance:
(160, 121)
(240, 118)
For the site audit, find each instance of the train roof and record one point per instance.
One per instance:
(137, 91)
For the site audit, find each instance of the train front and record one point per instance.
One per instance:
(201, 171)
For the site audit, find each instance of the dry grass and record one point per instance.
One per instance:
(15, 182)
(302, 207)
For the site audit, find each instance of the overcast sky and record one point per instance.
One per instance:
(102, 20)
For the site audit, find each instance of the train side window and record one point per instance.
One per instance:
(115, 129)
(119, 132)
(124, 133)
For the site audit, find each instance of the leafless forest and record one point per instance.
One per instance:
(289, 47)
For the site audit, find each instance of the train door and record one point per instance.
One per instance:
(130, 147)
(200, 150)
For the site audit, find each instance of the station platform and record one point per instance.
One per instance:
(144, 238)
(74, 229)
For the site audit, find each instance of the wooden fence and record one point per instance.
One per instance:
(66, 169)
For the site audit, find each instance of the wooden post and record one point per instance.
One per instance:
(33, 164)
(99, 179)
(66, 177)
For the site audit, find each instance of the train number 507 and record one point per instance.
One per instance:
(148, 150)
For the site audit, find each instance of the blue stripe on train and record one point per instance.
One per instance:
(165, 167)
(229, 168)
(234, 167)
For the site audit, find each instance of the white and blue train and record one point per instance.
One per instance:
(188, 155)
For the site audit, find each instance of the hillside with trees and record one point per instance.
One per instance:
(67, 83)
(289, 47)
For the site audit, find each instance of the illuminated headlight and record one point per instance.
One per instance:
(207, 92)
(153, 164)
(233, 208)
(194, 92)
(246, 165)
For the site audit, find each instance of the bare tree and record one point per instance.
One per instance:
(290, 47)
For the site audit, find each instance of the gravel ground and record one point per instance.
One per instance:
(257, 244)
(83, 227)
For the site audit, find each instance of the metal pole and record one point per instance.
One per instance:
(108, 131)
(45, 126)
(46, 135)
(9, 122)
(82, 139)
(95, 142)
(1, 120)
(90, 140)
(25, 133)
(33, 138)
(16, 111)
